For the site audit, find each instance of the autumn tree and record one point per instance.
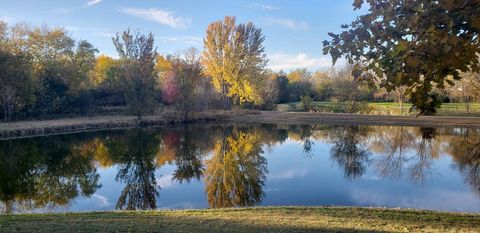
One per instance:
(418, 44)
(467, 89)
(51, 50)
(137, 56)
(16, 83)
(104, 71)
(188, 74)
(234, 58)
(270, 91)
(83, 62)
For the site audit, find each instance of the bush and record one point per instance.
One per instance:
(306, 102)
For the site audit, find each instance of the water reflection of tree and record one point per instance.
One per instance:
(348, 150)
(303, 133)
(135, 154)
(405, 148)
(235, 174)
(394, 143)
(45, 172)
(421, 168)
(465, 150)
(188, 156)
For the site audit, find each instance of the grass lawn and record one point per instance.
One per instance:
(267, 219)
(387, 108)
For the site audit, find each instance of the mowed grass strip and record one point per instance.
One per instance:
(262, 219)
(387, 108)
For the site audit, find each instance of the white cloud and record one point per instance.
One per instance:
(93, 2)
(157, 15)
(105, 34)
(72, 28)
(265, 7)
(281, 61)
(288, 23)
(61, 11)
(7, 19)
(194, 40)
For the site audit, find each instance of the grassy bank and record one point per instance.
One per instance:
(82, 124)
(278, 219)
(386, 108)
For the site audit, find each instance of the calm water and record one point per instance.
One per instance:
(193, 166)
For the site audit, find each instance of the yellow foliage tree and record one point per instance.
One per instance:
(234, 58)
(103, 66)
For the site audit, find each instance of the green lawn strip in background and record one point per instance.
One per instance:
(386, 108)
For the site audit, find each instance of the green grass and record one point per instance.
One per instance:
(269, 219)
(386, 108)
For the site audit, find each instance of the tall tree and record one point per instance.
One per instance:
(137, 55)
(417, 44)
(16, 82)
(51, 50)
(234, 58)
(188, 73)
(83, 62)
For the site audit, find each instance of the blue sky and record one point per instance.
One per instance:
(294, 30)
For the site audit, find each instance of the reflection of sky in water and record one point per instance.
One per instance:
(295, 178)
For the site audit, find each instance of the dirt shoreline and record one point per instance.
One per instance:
(81, 124)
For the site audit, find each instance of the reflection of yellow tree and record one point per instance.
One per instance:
(97, 148)
(235, 174)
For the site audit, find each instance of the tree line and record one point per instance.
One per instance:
(424, 52)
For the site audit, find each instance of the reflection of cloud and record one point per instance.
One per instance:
(268, 190)
(103, 200)
(287, 23)
(157, 15)
(165, 181)
(289, 174)
(182, 205)
(431, 199)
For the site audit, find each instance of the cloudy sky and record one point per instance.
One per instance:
(294, 30)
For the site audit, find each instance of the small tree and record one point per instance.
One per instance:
(137, 56)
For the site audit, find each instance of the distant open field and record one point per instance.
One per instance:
(386, 108)
(267, 219)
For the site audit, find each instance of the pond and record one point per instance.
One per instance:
(213, 166)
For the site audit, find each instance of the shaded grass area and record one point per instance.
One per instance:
(266, 219)
(386, 108)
